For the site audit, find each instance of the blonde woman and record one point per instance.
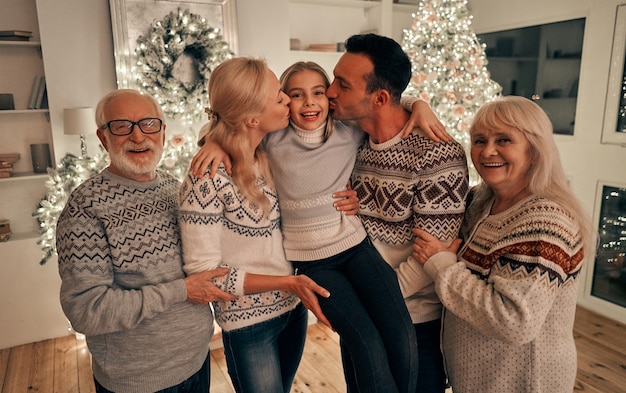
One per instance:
(234, 221)
(510, 291)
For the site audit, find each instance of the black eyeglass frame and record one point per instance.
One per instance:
(132, 124)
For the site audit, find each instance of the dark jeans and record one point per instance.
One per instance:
(431, 373)
(197, 383)
(367, 310)
(263, 358)
(432, 376)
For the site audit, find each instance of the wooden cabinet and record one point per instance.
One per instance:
(21, 62)
(541, 63)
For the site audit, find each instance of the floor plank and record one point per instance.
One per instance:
(41, 375)
(602, 330)
(4, 362)
(220, 381)
(83, 359)
(65, 365)
(18, 370)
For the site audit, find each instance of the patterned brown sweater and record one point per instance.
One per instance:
(407, 183)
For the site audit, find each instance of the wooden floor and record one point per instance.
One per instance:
(62, 365)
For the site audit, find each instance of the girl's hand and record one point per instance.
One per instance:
(426, 245)
(210, 154)
(347, 201)
(422, 116)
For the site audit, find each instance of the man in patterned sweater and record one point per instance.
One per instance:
(401, 183)
(148, 326)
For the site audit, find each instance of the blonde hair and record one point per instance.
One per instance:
(237, 91)
(104, 102)
(546, 177)
(310, 66)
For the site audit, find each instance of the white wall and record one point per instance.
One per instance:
(80, 68)
(29, 296)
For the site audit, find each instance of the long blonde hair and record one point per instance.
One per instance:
(546, 177)
(237, 91)
(310, 66)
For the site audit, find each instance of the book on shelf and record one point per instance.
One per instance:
(33, 93)
(6, 169)
(323, 47)
(9, 158)
(41, 91)
(15, 35)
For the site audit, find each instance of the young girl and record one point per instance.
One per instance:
(310, 160)
(234, 221)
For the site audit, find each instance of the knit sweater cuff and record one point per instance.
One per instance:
(179, 291)
(439, 262)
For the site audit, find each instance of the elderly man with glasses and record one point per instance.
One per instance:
(147, 325)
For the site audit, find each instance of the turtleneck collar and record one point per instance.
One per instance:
(312, 137)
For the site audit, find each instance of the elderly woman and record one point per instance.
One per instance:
(510, 291)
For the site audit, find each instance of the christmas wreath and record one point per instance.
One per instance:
(175, 59)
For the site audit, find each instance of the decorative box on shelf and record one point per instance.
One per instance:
(5, 230)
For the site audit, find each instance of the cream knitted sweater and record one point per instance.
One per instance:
(219, 226)
(510, 301)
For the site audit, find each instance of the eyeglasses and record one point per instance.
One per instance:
(148, 125)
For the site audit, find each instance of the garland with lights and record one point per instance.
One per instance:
(72, 171)
(68, 174)
(180, 36)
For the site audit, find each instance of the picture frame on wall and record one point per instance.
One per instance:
(167, 49)
(614, 125)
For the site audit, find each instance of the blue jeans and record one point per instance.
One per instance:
(368, 312)
(263, 358)
(197, 383)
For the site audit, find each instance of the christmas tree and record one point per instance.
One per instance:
(449, 64)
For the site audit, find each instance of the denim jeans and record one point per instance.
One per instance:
(263, 358)
(197, 383)
(366, 308)
(432, 376)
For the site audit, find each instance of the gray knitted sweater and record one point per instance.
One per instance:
(306, 175)
(122, 283)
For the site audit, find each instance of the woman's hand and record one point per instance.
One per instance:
(307, 290)
(209, 153)
(347, 201)
(422, 116)
(426, 245)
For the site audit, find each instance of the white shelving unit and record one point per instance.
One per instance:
(21, 63)
(308, 20)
